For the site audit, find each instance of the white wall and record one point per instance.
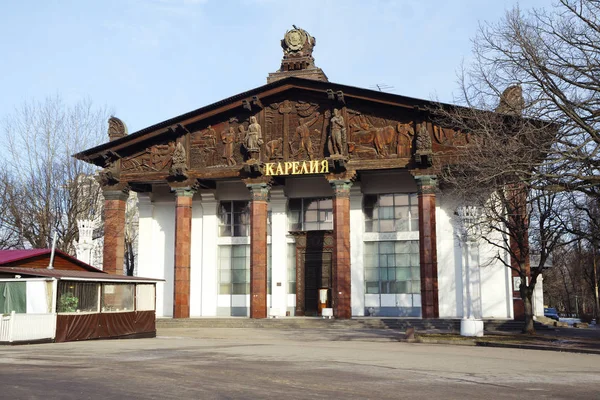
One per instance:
(357, 270)
(279, 248)
(196, 258)
(209, 255)
(161, 249)
(496, 292)
(449, 260)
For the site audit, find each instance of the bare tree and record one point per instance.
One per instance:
(500, 170)
(9, 236)
(131, 234)
(43, 187)
(554, 55)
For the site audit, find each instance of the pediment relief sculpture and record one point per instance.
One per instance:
(373, 137)
(157, 158)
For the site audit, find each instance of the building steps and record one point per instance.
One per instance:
(510, 325)
(448, 325)
(312, 323)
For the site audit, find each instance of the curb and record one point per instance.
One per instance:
(506, 346)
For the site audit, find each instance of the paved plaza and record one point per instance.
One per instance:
(184, 363)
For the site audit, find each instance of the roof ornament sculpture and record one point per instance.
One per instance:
(511, 101)
(298, 45)
(297, 42)
(116, 128)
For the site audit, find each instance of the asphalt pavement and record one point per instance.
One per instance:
(213, 363)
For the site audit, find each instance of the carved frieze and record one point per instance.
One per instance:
(373, 137)
(218, 145)
(295, 128)
(157, 158)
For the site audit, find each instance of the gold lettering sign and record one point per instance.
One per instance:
(297, 168)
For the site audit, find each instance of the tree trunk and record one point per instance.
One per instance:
(527, 294)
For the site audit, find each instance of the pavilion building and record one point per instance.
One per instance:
(298, 195)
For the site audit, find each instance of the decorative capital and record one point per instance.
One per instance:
(187, 191)
(341, 188)
(259, 191)
(116, 193)
(426, 183)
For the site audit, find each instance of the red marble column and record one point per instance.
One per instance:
(114, 230)
(341, 294)
(183, 237)
(427, 246)
(258, 249)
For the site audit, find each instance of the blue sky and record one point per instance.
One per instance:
(150, 60)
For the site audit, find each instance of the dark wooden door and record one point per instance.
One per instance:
(317, 275)
(313, 269)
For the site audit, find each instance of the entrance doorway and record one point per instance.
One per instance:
(314, 255)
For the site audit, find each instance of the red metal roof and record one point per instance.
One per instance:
(11, 256)
(66, 274)
(8, 256)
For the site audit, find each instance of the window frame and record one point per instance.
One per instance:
(321, 224)
(393, 212)
(385, 285)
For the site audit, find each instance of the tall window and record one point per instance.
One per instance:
(310, 214)
(234, 218)
(234, 269)
(392, 267)
(391, 213)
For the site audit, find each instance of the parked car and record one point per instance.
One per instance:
(551, 313)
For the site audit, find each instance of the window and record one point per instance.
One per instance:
(117, 297)
(392, 267)
(77, 297)
(145, 297)
(234, 218)
(13, 297)
(234, 269)
(391, 213)
(310, 214)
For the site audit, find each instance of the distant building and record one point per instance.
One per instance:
(90, 244)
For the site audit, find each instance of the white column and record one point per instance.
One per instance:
(196, 259)
(472, 279)
(538, 297)
(279, 230)
(357, 270)
(471, 324)
(209, 255)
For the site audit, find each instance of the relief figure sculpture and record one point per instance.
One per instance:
(338, 133)
(228, 138)
(179, 161)
(274, 149)
(304, 132)
(253, 139)
(405, 135)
